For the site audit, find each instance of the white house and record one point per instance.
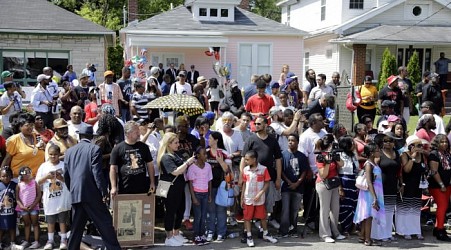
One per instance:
(351, 35)
(248, 43)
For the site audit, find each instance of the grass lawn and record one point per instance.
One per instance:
(414, 120)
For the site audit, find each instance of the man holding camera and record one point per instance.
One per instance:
(42, 100)
(10, 102)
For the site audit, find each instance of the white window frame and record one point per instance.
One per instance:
(162, 56)
(255, 67)
(306, 60)
(323, 10)
(355, 4)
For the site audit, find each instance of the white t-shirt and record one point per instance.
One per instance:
(17, 106)
(283, 140)
(234, 142)
(317, 92)
(181, 89)
(306, 146)
(56, 197)
(153, 143)
(74, 128)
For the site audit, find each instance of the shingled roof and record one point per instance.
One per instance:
(41, 16)
(180, 19)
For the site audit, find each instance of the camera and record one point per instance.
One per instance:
(92, 68)
(333, 154)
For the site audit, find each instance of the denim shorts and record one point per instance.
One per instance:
(32, 212)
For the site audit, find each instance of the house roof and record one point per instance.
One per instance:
(180, 21)
(41, 16)
(392, 34)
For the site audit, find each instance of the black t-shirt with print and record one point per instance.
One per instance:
(395, 94)
(187, 146)
(444, 170)
(132, 164)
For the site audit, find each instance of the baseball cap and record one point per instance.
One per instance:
(6, 73)
(275, 85)
(182, 73)
(233, 83)
(60, 123)
(209, 115)
(274, 110)
(107, 73)
(86, 130)
(413, 138)
(391, 79)
(392, 118)
(41, 77)
(388, 103)
(154, 70)
(201, 79)
(291, 75)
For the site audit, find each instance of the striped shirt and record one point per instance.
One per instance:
(138, 101)
(27, 194)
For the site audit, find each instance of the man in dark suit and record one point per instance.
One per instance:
(88, 188)
(161, 71)
(172, 72)
(192, 76)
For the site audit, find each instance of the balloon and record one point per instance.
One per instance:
(132, 69)
(208, 53)
(141, 65)
(143, 52)
(143, 59)
(128, 63)
(217, 56)
(135, 59)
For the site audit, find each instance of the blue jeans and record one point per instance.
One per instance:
(217, 216)
(125, 114)
(200, 213)
(291, 203)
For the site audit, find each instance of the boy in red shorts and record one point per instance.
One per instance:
(255, 183)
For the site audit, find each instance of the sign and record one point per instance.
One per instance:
(133, 219)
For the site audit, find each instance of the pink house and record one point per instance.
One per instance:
(245, 42)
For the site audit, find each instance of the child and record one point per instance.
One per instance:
(199, 177)
(139, 99)
(370, 205)
(56, 197)
(28, 197)
(255, 183)
(8, 201)
(295, 167)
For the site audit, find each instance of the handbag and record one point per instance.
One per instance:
(163, 187)
(332, 183)
(225, 196)
(221, 94)
(353, 101)
(361, 182)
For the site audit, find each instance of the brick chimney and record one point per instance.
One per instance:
(132, 10)
(244, 5)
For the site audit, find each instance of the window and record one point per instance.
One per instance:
(213, 12)
(27, 65)
(323, 10)
(306, 61)
(224, 13)
(356, 4)
(368, 59)
(202, 12)
(254, 59)
(329, 54)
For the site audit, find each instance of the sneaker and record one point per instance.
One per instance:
(407, 237)
(340, 237)
(188, 225)
(250, 241)
(180, 238)
(220, 238)
(15, 247)
(63, 245)
(172, 242)
(48, 245)
(209, 236)
(260, 233)
(258, 224)
(24, 244)
(269, 238)
(35, 245)
(274, 224)
(232, 221)
(293, 233)
(329, 240)
(198, 241)
(243, 237)
(420, 237)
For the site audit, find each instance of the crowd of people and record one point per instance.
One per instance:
(275, 144)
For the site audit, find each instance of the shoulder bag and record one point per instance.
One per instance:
(163, 187)
(332, 183)
(225, 196)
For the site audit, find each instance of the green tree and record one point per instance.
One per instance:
(267, 8)
(413, 67)
(388, 68)
(115, 59)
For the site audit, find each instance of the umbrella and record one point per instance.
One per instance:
(186, 104)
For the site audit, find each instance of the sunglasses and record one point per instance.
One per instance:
(418, 145)
(258, 123)
(388, 141)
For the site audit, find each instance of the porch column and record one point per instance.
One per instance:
(358, 67)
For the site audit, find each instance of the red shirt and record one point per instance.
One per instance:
(91, 111)
(332, 170)
(257, 104)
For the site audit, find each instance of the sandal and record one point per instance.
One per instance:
(368, 243)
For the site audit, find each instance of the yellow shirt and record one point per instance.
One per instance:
(368, 92)
(23, 154)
